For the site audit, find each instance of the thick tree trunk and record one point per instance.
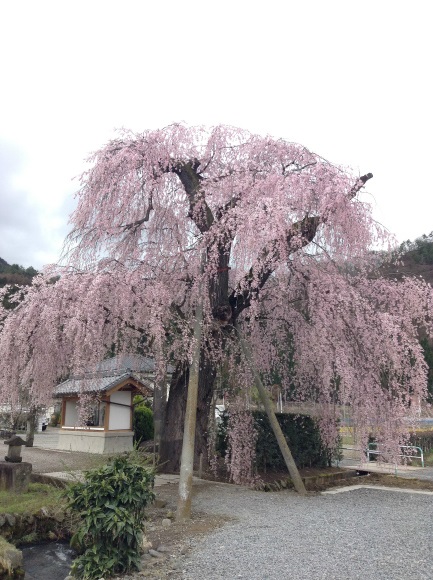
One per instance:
(205, 395)
(172, 432)
(171, 444)
(32, 425)
(159, 405)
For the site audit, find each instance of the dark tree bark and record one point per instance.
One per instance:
(159, 406)
(171, 441)
(32, 425)
(171, 444)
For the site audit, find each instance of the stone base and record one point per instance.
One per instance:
(15, 477)
(101, 442)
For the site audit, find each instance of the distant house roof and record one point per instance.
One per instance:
(110, 373)
(129, 362)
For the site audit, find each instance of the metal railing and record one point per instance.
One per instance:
(377, 452)
(370, 451)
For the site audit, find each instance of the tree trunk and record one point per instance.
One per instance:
(171, 443)
(172, 432)
(32, 425)
(159, 405)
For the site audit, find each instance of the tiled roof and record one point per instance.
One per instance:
(108, 374)
(127, 362)
(91, 385)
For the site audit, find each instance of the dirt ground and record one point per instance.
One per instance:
(392, 481)
(172, 541)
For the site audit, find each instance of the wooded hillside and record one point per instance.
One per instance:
(416, 259)
(15, 274)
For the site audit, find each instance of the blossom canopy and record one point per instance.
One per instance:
(287, 244)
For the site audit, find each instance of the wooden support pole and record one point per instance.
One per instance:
(282, 443)
(187, 456)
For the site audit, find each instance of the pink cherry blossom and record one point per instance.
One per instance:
(288, 244)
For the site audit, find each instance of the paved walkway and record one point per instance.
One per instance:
(46, 458)
(160, 479)
(406, 471)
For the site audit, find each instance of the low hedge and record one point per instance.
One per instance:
(423, 439)
(142, 422)
(302, 435)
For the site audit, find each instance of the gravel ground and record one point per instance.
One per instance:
(362, 534)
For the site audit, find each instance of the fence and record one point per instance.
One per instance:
(408, 456)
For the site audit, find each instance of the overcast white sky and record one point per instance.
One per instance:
(351, 80)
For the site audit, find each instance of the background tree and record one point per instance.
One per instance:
(279, 226)
(14, 276)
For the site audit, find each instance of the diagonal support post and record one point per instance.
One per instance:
(264, 396)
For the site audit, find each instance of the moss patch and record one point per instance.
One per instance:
(11, 561)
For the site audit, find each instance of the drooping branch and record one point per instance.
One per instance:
(226, 207)
(135, 225)
(276, 428)
(300, 235)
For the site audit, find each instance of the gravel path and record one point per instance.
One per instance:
(362, 534)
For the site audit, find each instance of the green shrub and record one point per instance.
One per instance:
(55, 419)
(302, 435)
(111, 504)
(142, 422)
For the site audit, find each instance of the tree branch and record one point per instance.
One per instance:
(300, 235)
(199, 211)
(229, 205)
(134, 225)
(359, 184)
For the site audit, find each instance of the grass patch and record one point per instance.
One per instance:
(428, 459)
(347, 436)
(38, 496)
